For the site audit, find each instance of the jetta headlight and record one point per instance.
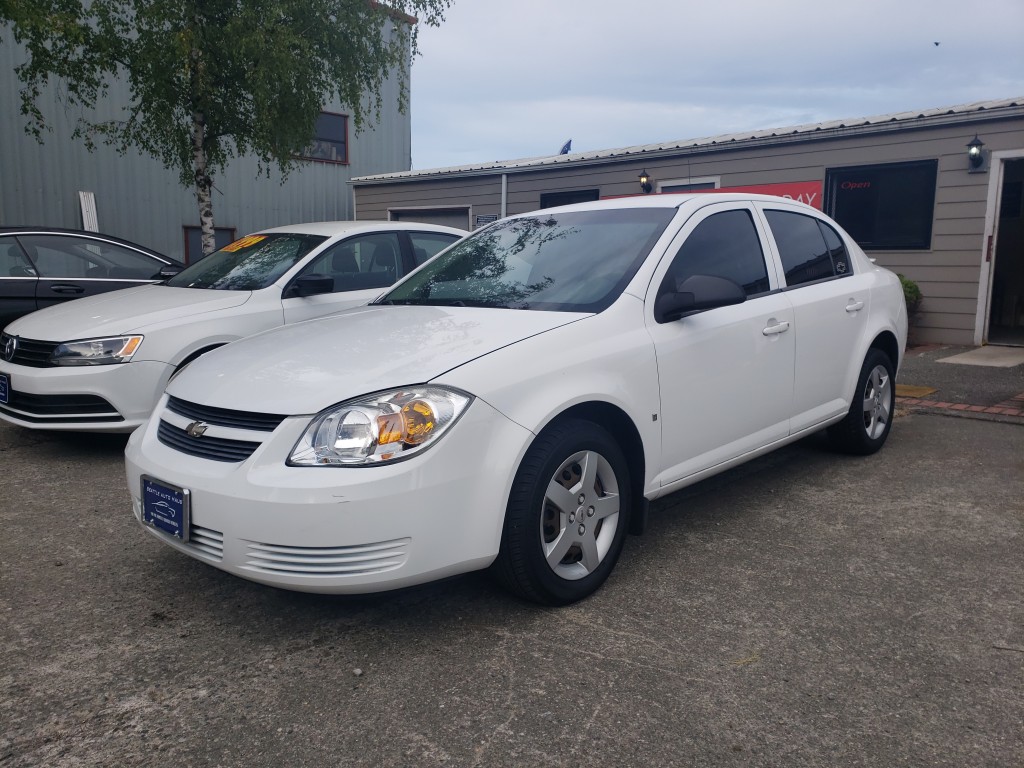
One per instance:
(107, 351)
(378, 428)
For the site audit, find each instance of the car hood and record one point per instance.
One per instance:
(306, 367)
(122, 311)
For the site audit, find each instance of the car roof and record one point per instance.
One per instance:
(27, 230)
(674, 200)
(334, 228)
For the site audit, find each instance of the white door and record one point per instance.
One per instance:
(725, 374)
(362, 267)
(830, 303)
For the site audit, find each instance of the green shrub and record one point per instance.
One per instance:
(911, 294)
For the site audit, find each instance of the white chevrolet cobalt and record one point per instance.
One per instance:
(102, 362)
(516, 402)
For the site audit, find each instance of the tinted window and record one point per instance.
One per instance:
(571, 262)
(887, 206)
(723, 245)
(330, 141)
(248, 264)
(805, 256)
(64, 256)
(554, 199)
(366, 261)
(13, 262)
(840, 259)
(426, 245)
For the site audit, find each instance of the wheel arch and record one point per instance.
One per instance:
(621, 427)
(886, 342)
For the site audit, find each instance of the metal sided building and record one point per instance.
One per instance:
(61, 184)
(935, 195)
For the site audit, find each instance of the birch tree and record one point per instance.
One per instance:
(213, 79)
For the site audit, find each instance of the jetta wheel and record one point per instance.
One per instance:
(567, 515)
(869, 419)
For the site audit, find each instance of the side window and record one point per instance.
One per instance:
(426, 245)
(13, 261)
(77, 257)
(806, 256)
(723, 245)
(836, 249)
(359, 263)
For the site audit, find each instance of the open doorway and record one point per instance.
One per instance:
(1006, 310)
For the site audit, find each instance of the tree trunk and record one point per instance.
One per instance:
(204, 184)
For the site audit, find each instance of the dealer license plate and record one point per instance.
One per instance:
(165, 507)
(5, 388)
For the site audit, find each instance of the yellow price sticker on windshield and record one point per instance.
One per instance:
(245, 242)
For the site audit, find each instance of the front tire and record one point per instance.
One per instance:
(567, 516)
(866, 426)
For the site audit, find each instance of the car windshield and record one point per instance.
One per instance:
(574, 261)
(248, 264)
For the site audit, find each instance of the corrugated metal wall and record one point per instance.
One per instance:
(136, 198)
(948, 273)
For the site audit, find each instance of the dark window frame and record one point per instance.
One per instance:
(835, 255)
(186, 228)
(327, 140)
(914, 241)
(568, 197)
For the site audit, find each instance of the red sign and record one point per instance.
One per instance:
(809, 192)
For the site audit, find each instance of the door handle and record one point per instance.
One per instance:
(65, 288)
(777, 328)
(854, 306)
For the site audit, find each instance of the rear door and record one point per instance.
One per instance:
(831, 306)
(17, 281)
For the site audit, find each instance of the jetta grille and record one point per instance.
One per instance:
(29, 352)
(205, 447)
(223, 417)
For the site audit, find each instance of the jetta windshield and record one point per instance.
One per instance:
(577, 261)
(248, 264)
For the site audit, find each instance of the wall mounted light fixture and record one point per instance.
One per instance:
(977, 157)
(645, 182)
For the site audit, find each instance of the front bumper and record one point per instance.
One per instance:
(341, 529)
(102, 398)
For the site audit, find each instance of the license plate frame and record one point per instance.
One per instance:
(166, 507)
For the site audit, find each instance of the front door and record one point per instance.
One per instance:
(726, 374)
(1006, 310)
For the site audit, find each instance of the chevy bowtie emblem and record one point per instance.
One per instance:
(196, 429)
(10, 347)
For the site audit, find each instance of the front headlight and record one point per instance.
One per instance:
(383, 427)
(116, 349)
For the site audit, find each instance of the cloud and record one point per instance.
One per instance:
(502, 80)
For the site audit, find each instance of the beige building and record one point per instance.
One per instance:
(908, 187)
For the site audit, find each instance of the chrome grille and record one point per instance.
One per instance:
(360, 560)
(31, 353)
(213, 448)
(223, 417)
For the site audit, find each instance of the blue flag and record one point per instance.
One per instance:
(565, 148)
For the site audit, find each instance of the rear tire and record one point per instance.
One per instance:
(866, 426)
(567, 516)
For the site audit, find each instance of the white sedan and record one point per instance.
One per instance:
(516, 403)
(101, 363)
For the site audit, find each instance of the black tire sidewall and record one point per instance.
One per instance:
(521, 540)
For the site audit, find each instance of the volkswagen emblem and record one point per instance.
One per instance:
(196, 429)
(10, 348)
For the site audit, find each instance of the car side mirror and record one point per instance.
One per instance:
(311, 285)
(166, 271)
(697, 293)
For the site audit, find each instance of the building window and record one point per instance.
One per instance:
(194, 241)
(554, 199)
(695, 184)
(330, 142)
(884, 207)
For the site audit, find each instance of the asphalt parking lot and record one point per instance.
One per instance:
(806, 609)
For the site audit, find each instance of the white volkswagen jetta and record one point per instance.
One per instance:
(101, 363)
(516, 402)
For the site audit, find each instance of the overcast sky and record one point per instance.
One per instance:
(504, 79)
